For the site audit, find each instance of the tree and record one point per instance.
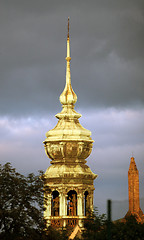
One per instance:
(21, 204)
(21, 207)
(127, 229)
(21, 213)
(94, 226)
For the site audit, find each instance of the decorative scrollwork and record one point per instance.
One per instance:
(56, 223)
(71, 222)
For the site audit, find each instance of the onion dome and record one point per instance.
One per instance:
(68, 141)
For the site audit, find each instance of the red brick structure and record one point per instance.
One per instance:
(133, 190)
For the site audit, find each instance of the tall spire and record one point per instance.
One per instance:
(68, 96)
(133, 182)
(133, 189)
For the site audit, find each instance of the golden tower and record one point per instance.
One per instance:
(69, 179)
(133, 190)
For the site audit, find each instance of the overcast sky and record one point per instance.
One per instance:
(107, 69)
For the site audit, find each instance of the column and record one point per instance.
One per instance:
(62, 204)
(47, 212)
(79, 205)
(91, 200)
(80, 208)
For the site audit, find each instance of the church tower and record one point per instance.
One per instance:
(133, 189)
(69, 179)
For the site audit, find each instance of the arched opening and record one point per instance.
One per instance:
(86, 203)
(55, 203)
(72, 203)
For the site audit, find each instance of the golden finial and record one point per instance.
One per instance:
(68, 96)
(68, 28)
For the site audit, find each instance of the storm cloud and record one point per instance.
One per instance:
(107, 50)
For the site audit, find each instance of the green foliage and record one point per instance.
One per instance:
(53, 234)
(131, 229)
(21, 207)
(21, 204)
(96, 227)
(21, 213)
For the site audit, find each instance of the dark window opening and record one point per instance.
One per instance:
(55, 203)
(86, 203)
(72, 203)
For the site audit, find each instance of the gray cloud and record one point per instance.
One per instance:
(106, 46)
(107, 75)
(116, 135)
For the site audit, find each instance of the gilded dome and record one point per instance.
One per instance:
(68, 140)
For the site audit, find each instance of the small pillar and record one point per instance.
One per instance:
(48, 206)
(91, 201)
(80, 204)
(47, 212)
(62, 204)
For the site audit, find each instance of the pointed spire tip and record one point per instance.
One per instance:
(68, 58)
(68, 28)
